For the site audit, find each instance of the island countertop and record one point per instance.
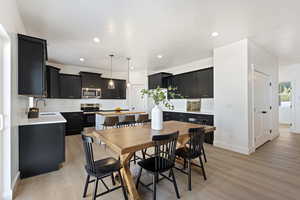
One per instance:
(115, 113)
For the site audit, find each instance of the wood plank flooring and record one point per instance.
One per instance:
(272, 172)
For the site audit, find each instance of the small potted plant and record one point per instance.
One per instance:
(160, 98)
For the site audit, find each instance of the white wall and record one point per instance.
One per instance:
(291, 73)
(233, 93)
(11, 21)
(231, 97)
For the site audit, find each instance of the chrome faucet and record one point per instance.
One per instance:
(37, 100)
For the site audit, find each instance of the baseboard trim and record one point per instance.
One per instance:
(15, 184)
(238, 149)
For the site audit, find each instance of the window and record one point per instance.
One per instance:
(285, 93)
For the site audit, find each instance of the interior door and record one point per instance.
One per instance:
(136, 102)
(262, 103)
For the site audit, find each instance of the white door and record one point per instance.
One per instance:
(262, 108)
(136, 102)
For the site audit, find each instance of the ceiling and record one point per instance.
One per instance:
(142, 29)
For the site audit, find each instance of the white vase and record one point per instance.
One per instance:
(156, 118)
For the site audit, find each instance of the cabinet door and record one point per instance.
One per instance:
(70, 86)
(154, 81)
(205, 83)
(31, 67)
(74, 122)
(121, 89)
(53, 82)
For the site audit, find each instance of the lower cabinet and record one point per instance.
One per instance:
(192, 118)
(41, 148)
(89, 120)
(74, 122)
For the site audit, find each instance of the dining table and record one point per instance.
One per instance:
(128, 140)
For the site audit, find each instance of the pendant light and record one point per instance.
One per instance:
(111, 83)
(128, 82)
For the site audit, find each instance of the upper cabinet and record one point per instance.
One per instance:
(53, 82)
(118, 93)
(195, 84)
(70, 86)
(90, 80)
(162, 80)
(32, 56)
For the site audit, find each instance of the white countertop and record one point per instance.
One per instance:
(204, 112)
(44, 118)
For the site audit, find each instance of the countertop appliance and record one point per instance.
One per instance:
(90, 108)
(91, 93)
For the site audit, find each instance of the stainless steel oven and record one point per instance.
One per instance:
(94, 93)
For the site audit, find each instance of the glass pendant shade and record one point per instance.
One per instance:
(128, 83)
(111, 83)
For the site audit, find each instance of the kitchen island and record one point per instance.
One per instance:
(100, 116)
(41, 144)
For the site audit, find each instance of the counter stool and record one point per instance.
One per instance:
(111, 122)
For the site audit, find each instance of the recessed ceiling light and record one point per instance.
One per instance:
(159, 56)
(81, 59)
(132, 68)
(96, 39)
(215, 34)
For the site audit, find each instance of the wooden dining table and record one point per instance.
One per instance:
(128, 140)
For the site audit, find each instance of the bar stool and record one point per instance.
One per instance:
(110, 122)
(142, 118)
(130, 120)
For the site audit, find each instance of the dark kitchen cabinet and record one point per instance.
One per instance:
(32, 56)
(53, 82)
(70, 86)
(118, 93)
(192, 118)
(196, 84)
(161, 80)
(90, 80)
(89, 120)
(74, 122)
(41, 148)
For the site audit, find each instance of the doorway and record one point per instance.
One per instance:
(262, 108)
(5, 106)
(136, 102)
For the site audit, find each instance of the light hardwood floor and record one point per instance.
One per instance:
(272, 172)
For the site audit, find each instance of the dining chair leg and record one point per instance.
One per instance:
(123, 186)
(138, 178)
(96, 188)
(204, 155)
(154, 186)
(113, 179)
(202, 167)
(134, 158)
(184, 164)
(175, 184)
(86, 185)
(189, 175)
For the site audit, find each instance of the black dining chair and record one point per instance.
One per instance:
(100, 169)
(162, 161)
(191, 151)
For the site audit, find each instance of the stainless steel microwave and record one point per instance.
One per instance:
(92, 93)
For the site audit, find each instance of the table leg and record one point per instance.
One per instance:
(127, 176)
